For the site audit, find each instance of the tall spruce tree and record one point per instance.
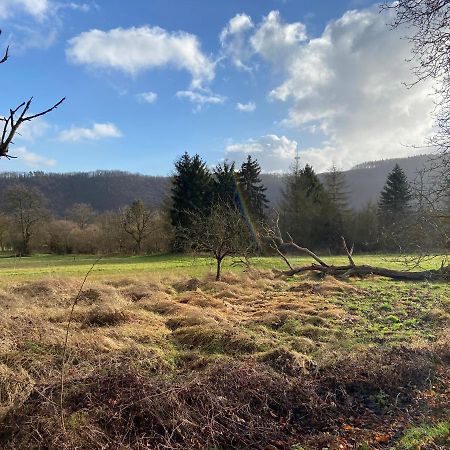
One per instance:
(252, 191)
(302, 205)
(395, 198)
(394, 211)
(225, 184)
(337, 212)
(335, 184)
(192, 192)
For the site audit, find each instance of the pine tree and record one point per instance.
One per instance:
(252, 191)
(396, 195)
(393, 210)
(337, 212)
(225, 184)
(192, 188)
(336, 186)
(302, 205)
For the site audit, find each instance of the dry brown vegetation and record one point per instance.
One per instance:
(252, 361)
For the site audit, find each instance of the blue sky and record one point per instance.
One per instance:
(147, 80)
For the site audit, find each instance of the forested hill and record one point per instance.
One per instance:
(107, 190)
(104, 190)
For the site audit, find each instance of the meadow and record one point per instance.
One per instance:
(14, 268)
(160, 355)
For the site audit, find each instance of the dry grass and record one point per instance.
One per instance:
(245, 362)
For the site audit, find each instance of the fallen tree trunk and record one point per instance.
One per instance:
(442, 274)
(276, 242)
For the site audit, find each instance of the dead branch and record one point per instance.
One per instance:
(348, 252)
(442, 274)
(17, 117)
(350, 270)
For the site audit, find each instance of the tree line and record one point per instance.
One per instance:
(223, 211)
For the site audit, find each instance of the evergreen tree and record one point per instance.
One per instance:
(336, 186)
(337, 214)
(393, 210)
(303, 202)
(192, 188)
(396, 195)
(252, 191)
(225, 184)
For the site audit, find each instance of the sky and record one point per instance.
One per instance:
(147, 80)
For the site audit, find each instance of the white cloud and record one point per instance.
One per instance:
(133, 50)
(201, 99)
(36, 8)
(83, 7)
(32, 159)
(148, 97)
(97, 131)
(246, 107)
(274, 153)
(233, 39)
(274, 40)
(345, 87)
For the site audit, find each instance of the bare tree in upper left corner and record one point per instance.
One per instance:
(16, 117)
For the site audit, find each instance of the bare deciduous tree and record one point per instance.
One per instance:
(82, 214)
(138, 222)
(427, 25)
(16, 117)
(221, 233)
(26, 206)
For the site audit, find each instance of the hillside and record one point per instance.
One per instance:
(110, 190)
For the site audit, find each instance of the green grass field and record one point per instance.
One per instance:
(44, 265)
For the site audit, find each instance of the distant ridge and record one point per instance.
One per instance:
(111, 190)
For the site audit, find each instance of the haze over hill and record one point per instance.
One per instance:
(110, 190)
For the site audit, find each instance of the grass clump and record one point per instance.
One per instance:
(425, 435)
(285, 361)
(213, 339)
(104, 316)
(15, 387)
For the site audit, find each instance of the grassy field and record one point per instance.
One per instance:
(162, 356)
(37, 266)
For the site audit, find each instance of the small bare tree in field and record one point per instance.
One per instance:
(138, 222)
(16, 117)
(222, 233)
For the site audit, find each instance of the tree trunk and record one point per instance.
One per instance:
(355, 271)
(219, 268)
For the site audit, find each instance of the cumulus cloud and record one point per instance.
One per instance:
(246, 107)
(136, 49)
(233, 39)
(33, 159)
(274, 153)
(275, 40)
(148, 97)
(97, 131)
(345, 88)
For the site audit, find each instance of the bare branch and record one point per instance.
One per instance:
(348, 252)
(11, 124)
